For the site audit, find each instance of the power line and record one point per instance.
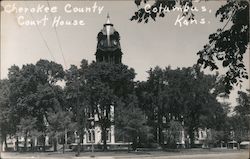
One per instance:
(58, 39)
(45, 42)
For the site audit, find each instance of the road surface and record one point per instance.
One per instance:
(165, 155)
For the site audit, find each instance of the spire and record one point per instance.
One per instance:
(108, 22)
(108, 27)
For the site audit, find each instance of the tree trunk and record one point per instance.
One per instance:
(155, 132)
(55, 144)
(78, 149)
(25, 142)
(32, 145)
(191, 135)
(17, 144)
(159, 113)
(63, 147)
(65, 140)
(160, 140)
(81, 140)
(238, 145)
(104, 138)
(134, 143)
(44, 142)
(5, 142)
(129, 147)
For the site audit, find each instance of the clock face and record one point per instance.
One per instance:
(102, 43)
(115, 42)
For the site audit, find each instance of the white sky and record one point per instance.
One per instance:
(143, 45)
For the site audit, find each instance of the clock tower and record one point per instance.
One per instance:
(108, 44)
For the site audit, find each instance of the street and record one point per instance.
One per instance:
(122, 155)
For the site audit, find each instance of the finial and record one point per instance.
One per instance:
(108, 19)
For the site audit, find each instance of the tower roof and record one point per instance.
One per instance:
(108, 19)
(108, 35)
(108, 22)
(109, 29)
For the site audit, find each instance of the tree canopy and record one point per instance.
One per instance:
(33, 104)
(226, 47)
(186, 95)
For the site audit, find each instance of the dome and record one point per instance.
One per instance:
(106, 32)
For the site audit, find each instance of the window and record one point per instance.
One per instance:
(108, 136)
(201, 134)
(90, 136)
(164, 120)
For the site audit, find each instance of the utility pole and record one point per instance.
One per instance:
(249, 140)
(249, 114)
(92, 131)
(159, 113)
(249, 145)
(78, 117)
(0, 145)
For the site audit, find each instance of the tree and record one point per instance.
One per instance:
(156, 80)
(26, 128)
(174, 133)
(15, 89)
(77, 96)
(49, 72)
(60, 122)
(185, 95)
(49, 95)
(5, 116)
(240, 121)
(106, 84)
(200, 101)
(33, 91)
(130, 121)
(239, 128)
(226, 45)
(243, 107)
(229, 46)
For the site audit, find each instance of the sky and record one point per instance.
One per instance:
(159, 42)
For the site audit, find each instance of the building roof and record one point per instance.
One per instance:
(244, 143)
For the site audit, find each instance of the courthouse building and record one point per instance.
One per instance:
(108, 50)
